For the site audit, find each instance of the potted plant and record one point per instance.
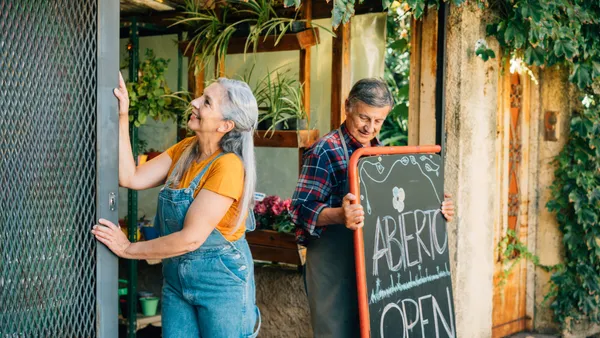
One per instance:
(273, 213)
(294, 107)
(209, 33)
(149, 96)
(273, 240)
(270, 95)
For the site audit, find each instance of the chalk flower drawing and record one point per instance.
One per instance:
(425, 164)
(398, 200)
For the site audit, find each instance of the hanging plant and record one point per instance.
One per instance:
(148, 97)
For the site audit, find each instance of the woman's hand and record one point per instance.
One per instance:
(448, 207)
(111, 235)
(123, 96)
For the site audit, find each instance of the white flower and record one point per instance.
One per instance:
(587, 101)
(398, 199)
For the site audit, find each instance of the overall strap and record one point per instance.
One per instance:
(197, 179)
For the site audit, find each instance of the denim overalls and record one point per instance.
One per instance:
(209, 292)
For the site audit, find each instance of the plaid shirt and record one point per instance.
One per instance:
(322, 182)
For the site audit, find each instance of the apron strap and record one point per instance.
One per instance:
(346, 158)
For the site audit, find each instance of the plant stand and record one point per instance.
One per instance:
(273, 246)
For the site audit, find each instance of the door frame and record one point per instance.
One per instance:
(107, 163)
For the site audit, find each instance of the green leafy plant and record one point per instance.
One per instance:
(210, 32)
(142, 146)
(273, 213)
(294, 101)
(576, 202)
(394, 131)
(149, 95)
(545, 33)
(482, 50)
(512, 251)
(277, 95)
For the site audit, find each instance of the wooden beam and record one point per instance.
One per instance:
(195, 79)
(423, 80)
(305, 61)
(414, 86)
(285, 138)
(340, 74)
(290, 41)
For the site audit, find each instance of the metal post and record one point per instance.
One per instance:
(107, 183)
(179, 83)
(132, 205)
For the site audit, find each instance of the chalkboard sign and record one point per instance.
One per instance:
(409, 287)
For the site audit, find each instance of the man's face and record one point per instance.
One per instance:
(364, 122)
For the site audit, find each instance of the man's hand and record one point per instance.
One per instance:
(354, 215)
(448, 207)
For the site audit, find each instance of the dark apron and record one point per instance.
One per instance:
(330, 279)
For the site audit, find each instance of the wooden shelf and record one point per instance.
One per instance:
(143, 321)
(273, 246)
(290, 41)
(286, 138)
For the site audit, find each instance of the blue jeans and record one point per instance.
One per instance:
(209, 292)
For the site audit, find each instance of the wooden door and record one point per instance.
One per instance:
(510, 302)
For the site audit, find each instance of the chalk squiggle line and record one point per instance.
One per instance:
(362, 170)
(385, 293)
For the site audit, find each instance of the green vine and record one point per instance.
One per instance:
(512, 251)
(576, 202)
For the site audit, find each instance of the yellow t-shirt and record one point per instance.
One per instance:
(225, 177)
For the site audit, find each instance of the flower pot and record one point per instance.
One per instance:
(267, 123)
(153, 154)
(123, 307)
(297, 124)
(264, 124)
(241, 29)
(149, 233)
(298, 26)
(142, 159)
(149, 305)
(122, 287)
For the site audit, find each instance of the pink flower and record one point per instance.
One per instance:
(270, 201)
(287, 204)
(277, 209)
(260, 209)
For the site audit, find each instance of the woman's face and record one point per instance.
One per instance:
(206, 114)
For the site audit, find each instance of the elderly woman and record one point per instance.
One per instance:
(203, 212)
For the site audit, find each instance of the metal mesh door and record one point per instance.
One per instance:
(48, 55)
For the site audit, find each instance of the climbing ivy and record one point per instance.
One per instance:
(542, 32)
(576, 202)
(549, 32)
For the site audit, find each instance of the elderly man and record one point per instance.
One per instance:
(325, 218)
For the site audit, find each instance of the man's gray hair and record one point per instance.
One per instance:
(371, 91)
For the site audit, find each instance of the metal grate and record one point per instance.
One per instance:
(47, 168)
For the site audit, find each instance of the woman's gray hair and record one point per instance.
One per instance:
(238, 105)
(371, 91)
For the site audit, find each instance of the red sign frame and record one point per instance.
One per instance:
(359, 249)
